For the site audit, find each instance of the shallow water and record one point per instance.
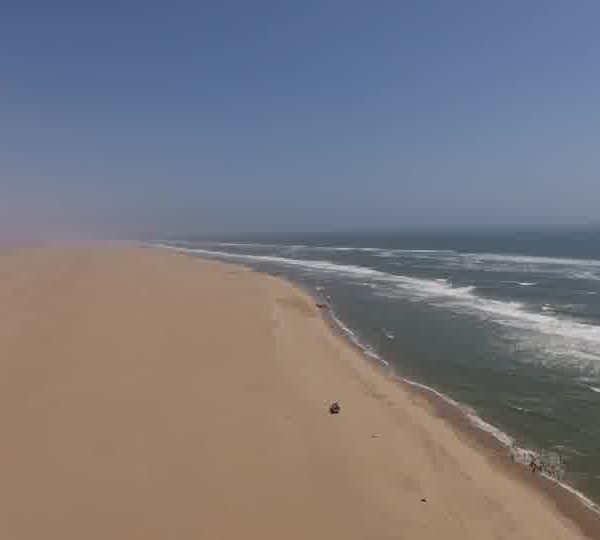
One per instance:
(506, 323)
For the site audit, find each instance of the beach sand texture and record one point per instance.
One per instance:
(150, 395)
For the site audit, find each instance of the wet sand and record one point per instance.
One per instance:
(147, 394)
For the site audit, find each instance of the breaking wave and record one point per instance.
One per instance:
(557, 339)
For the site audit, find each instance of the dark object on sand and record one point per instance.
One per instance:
(535, 466)
(321, 306)
(423, 500)
(334, 408)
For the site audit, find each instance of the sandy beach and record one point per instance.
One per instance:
(145, 394)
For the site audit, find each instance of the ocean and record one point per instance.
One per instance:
(506, 323)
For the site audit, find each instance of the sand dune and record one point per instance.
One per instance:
(147, 395)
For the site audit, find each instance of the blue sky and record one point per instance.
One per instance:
(126, 118)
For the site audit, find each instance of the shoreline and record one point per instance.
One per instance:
(570, 502)
(490, 440)
(148, 394)
(573, 504)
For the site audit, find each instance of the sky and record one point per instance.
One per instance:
(127, 119)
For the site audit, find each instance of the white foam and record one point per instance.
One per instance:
(476, 420)
(443, 397)
(415, 252)
(514, 259)
(296, 247)
(419, 286)
(571, 268)
(346, 330)
(472, 416)
(529, 259)
(576, 269)
(353, 337)
(584, 275)
(498, 434)
(520, 455)
(308, 264)
(384, 252)
(508, 313)
(250, 245)
(556, 339)
(387, 254)
(582, 498)
(521, 283)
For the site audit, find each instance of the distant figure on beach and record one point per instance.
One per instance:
(534, 466)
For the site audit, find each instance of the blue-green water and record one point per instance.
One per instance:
(507, 323)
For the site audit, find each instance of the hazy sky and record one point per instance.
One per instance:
(123, 118)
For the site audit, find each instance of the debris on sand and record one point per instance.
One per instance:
(334, 408)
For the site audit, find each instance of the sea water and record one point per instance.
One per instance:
(505, 323)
